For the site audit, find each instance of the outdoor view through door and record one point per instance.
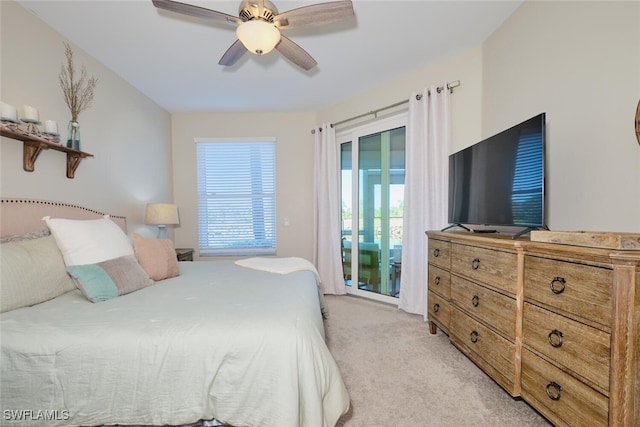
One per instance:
(372, 193)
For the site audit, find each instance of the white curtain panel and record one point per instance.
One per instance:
(425, 190)
(327, 255)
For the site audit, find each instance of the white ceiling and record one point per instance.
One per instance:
(173, 59)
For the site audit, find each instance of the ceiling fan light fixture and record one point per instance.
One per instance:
(258, 36)
(259, 24)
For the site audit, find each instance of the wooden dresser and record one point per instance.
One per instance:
(555, 324)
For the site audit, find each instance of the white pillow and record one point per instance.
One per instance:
(89, 241)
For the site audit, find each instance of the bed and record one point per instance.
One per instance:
(217, 341)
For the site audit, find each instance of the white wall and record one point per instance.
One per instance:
(465, 101)
(294, 156)
(580, 63)
(577, 61)
(128, 134)
(294, 171)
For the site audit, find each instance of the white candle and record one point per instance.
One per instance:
(50, 126)
(8, 112)
(30, 113)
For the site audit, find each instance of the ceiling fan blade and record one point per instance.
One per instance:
(231, 56)
(197, 11)
(295, 54)
(314, 15)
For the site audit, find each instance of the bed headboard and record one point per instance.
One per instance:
(22, 216)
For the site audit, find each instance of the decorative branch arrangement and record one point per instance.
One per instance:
(78, 94)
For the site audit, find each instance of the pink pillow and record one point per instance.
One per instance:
(156, 256)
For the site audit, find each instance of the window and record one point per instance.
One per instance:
(236, 197)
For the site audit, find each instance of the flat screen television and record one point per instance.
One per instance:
(499, 181)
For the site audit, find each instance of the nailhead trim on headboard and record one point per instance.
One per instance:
(34, 202)
(68, 205)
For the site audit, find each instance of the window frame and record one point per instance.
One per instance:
(352, 134)
(206, 249)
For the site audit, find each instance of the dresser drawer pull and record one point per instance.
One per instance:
(554, 390)
(437, 280)
(555, 338)
(557, 285)
(475, 263)
(475, 336)
(436, 308)
(475, 301)
(436, 252)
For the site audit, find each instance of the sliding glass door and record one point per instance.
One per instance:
(372, 163)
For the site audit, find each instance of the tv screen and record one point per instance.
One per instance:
(500, 180)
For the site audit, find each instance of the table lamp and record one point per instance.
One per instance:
(161, 214)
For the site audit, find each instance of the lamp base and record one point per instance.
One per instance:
(162, 231)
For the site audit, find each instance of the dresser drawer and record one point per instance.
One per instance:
(440, 281)
(440, 253)
(491, 352)
(491, 307)
(439, 311)
(559, 395)
(578, 347)
(578, 289)
(494, 267)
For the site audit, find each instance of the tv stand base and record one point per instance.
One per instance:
(456, 225)
(527, 230)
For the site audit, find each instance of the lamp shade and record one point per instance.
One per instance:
(161, 214)
(258, 36)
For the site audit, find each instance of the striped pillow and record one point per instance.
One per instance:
(109, 279)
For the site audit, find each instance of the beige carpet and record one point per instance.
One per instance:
(399, 375)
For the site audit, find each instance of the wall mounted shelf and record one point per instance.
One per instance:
(33, 145)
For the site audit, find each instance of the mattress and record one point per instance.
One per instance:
(221, 341)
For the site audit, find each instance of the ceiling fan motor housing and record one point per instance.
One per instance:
(250, 10)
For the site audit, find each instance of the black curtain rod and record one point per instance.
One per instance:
(450, 86)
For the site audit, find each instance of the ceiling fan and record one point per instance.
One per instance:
(259, 24)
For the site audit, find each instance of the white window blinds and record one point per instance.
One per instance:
(236, 197)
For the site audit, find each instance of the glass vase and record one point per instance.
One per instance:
(73, 135)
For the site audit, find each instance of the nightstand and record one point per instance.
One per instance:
(184, 254)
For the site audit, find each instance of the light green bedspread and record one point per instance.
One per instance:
(220, 341)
